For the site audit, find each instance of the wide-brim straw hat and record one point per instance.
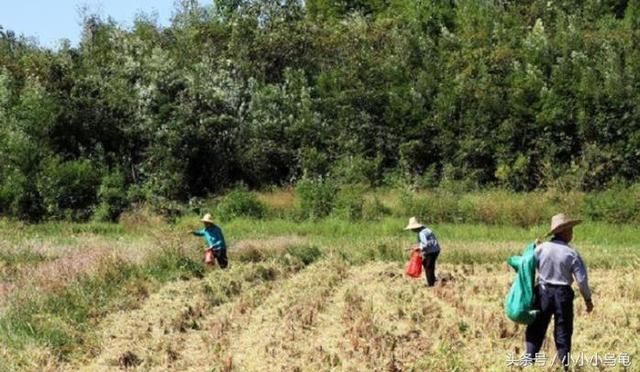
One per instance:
(413, 224)
(207, 218)
(561, 222)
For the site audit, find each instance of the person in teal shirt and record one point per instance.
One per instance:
(214, 239)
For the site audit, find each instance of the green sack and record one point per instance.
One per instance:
(519, 302)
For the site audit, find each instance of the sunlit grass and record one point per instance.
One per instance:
(65, 279)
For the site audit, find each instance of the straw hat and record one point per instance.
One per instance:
(207, 218)
(561, 222)
(413, 224)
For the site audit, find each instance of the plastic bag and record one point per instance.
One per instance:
(208, 257)
(518, 304)
(414, 266)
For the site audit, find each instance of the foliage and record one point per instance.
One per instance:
(62, 318)
(240, 203)
(317, 197)
(616, 205)
(455, 95)
(350, 202)
(306, 253)
(69, 189)
(112, 196)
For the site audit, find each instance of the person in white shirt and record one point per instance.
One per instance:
(558, 265)
(428, 246)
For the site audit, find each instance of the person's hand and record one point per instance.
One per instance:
(589, 305)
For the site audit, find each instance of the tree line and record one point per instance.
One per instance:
(517, 94)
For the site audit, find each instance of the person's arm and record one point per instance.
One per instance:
(580, 273)
(422, 241)
(198, 232)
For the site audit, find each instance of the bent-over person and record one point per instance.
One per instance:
(428, 246)
(214, 240)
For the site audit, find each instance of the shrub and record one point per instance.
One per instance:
(306, 253)
(616, 205)
(313, 162)
(19, 196)
(357, 170)
(69, 189)
(317, 197)
(170, 210)
(112, 196)
(350, 202)
(375, 209)
(240, 203)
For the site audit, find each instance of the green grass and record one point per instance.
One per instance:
(61, 228)
(61, 318)
(337, 229)
(13, 259)
(605, 245)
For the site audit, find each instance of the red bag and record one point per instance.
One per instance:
(208, 257)
(414, 267)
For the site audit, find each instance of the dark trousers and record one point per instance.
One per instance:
(221, 257)
(429, 266)
(556, 301)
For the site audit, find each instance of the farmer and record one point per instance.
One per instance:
(214, 240)
(429, 247)
(558, 264)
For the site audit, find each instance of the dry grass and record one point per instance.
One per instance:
(368, 317)
(280, 199)
(64, 263)
(270, 312)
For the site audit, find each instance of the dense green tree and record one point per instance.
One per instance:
(519, 94)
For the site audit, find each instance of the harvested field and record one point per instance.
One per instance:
(296, 303)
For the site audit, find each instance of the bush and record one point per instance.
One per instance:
(240, 203)
(317, 197)
(169, 210)
(350, 202)
(69, 189)
(112, 196)
(313, 162)
(617, 205)
(306, 253)
(357, 170)
(19, 197)
(374, 210)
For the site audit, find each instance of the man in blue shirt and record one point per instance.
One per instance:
(558, 265)
(429, 246)
(214, 240)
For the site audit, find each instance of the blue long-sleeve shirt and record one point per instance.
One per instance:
(212, 237)
(427, 241)
(559, 263)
